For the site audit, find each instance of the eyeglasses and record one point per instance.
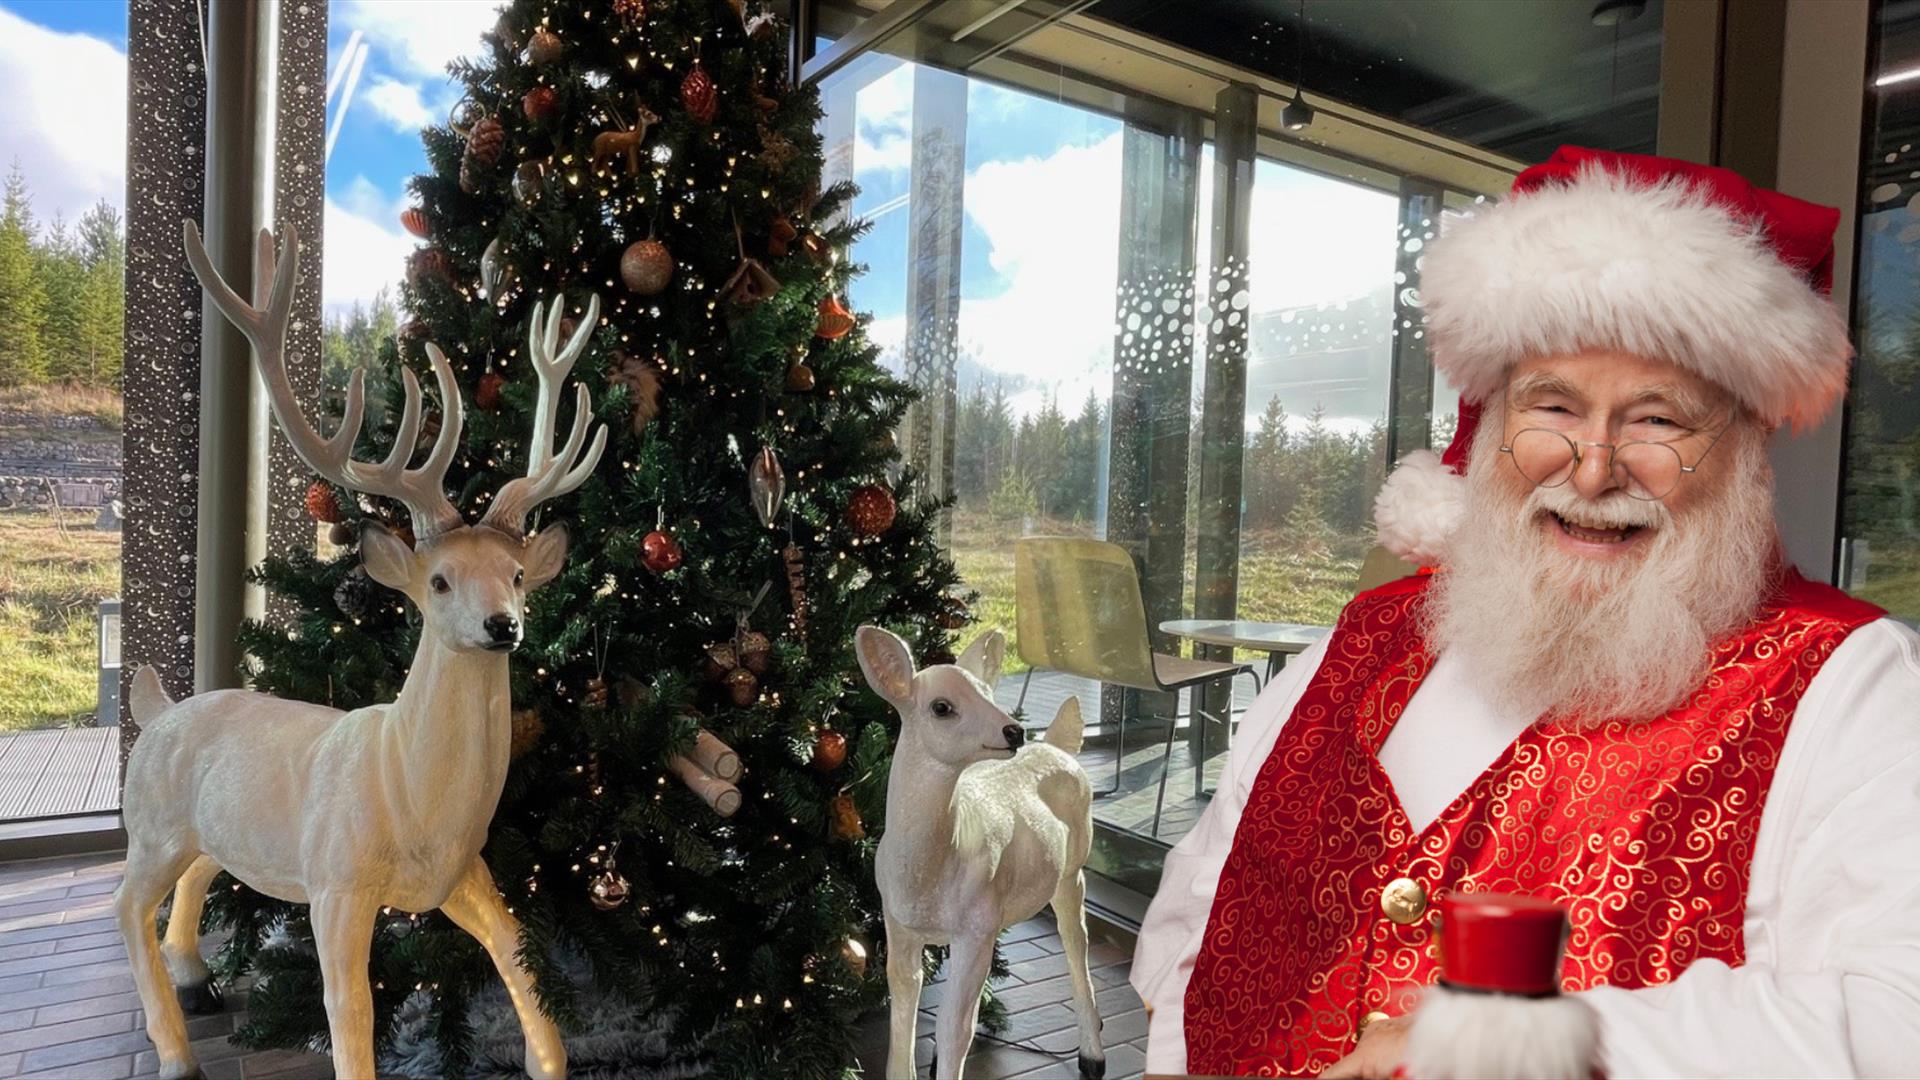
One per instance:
(1645, 470)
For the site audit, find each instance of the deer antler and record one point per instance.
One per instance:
(264, 322)
(548, 474)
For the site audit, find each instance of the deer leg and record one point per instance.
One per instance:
(475, 906)
(968, 963)
(1070, 913)
(193, 983)
(343, 936)
(906, 955)
(149, 874)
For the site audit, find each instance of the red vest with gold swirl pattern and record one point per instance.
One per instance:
(1645, 830)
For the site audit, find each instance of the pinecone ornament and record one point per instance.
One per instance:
(354, 595)
(322, 504)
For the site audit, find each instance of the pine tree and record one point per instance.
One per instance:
(591, 129)
(23, 299)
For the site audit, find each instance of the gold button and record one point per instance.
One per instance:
(1403, 901)
(1369, 1020)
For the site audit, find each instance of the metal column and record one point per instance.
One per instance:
(233, 36)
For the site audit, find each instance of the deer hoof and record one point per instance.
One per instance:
(185, 1070)
(200, 999)
(1092, 1068)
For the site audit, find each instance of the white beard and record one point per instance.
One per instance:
(1585, 641)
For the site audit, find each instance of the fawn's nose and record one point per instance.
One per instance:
(1016, 736)
(503, 631)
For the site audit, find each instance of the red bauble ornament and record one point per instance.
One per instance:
(646, 267)
(829, 751)
(322, 504)
(699, 95)
(660, 552)
(487, 394)
(414, 220)
(871, 510)
(835, 320)
(540, 104)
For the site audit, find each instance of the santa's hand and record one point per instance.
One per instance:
(1382, 1048)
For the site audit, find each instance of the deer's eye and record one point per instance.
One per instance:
(440, 583)
(519, 578)
(943, 707)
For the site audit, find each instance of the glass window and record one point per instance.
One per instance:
(62, 294)
(1880, 497)
(1131, 347)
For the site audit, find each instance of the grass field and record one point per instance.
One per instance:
(61, 399)
(1278, 582)
(54, 570)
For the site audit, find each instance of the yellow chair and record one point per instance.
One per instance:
(1078, 610)
(1380, 567)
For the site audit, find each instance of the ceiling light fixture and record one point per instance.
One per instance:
(1298, 114)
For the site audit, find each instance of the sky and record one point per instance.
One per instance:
(1040, 228)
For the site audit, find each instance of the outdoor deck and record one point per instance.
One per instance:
(59, 771)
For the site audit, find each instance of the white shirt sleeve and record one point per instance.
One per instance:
(1831, 983)
(1170, 935)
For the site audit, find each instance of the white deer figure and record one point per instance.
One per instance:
(983, 830)
(386, 805)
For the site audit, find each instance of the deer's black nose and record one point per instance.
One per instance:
(1015, 734)
(502, 630)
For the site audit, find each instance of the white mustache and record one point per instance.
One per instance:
(1614, 510)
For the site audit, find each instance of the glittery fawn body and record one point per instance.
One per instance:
(983, 830)
(386, 805)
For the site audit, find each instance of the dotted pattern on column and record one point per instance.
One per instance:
(299, 200)
(166, 141)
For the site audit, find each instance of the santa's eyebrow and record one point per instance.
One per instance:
(1543, 382)
(1683, 400)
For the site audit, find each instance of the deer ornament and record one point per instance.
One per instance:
(385, 805)
(983, 830)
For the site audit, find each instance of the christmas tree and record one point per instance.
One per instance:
(698, 773)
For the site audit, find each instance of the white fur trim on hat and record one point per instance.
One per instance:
(1418, 508)
(1660, 271)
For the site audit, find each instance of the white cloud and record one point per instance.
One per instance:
(66, 101)
(1053, 238)
(420, 37)
(399, 104)
(883, 108)
(366, 250)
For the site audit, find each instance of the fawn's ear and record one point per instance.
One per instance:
(887, 664)
(387, 558)
(984, 657)
(545, 554)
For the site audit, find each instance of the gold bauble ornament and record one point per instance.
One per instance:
(646, 267)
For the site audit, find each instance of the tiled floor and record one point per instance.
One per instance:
(68, 1007)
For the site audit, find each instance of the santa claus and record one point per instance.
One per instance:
(1610, 691)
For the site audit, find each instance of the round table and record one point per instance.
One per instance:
(1278, 640)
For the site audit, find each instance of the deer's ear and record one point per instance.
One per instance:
(984, 658)
(885, 661)
(387, 558)
(546, 553)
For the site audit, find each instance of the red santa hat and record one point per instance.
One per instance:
(1627, 253)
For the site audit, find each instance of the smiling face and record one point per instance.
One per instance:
(470, 585)
(946, 711)
(1578, 599)
(1588, 509)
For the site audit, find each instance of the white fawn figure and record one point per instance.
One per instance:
(983, 830)
(387, 805)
